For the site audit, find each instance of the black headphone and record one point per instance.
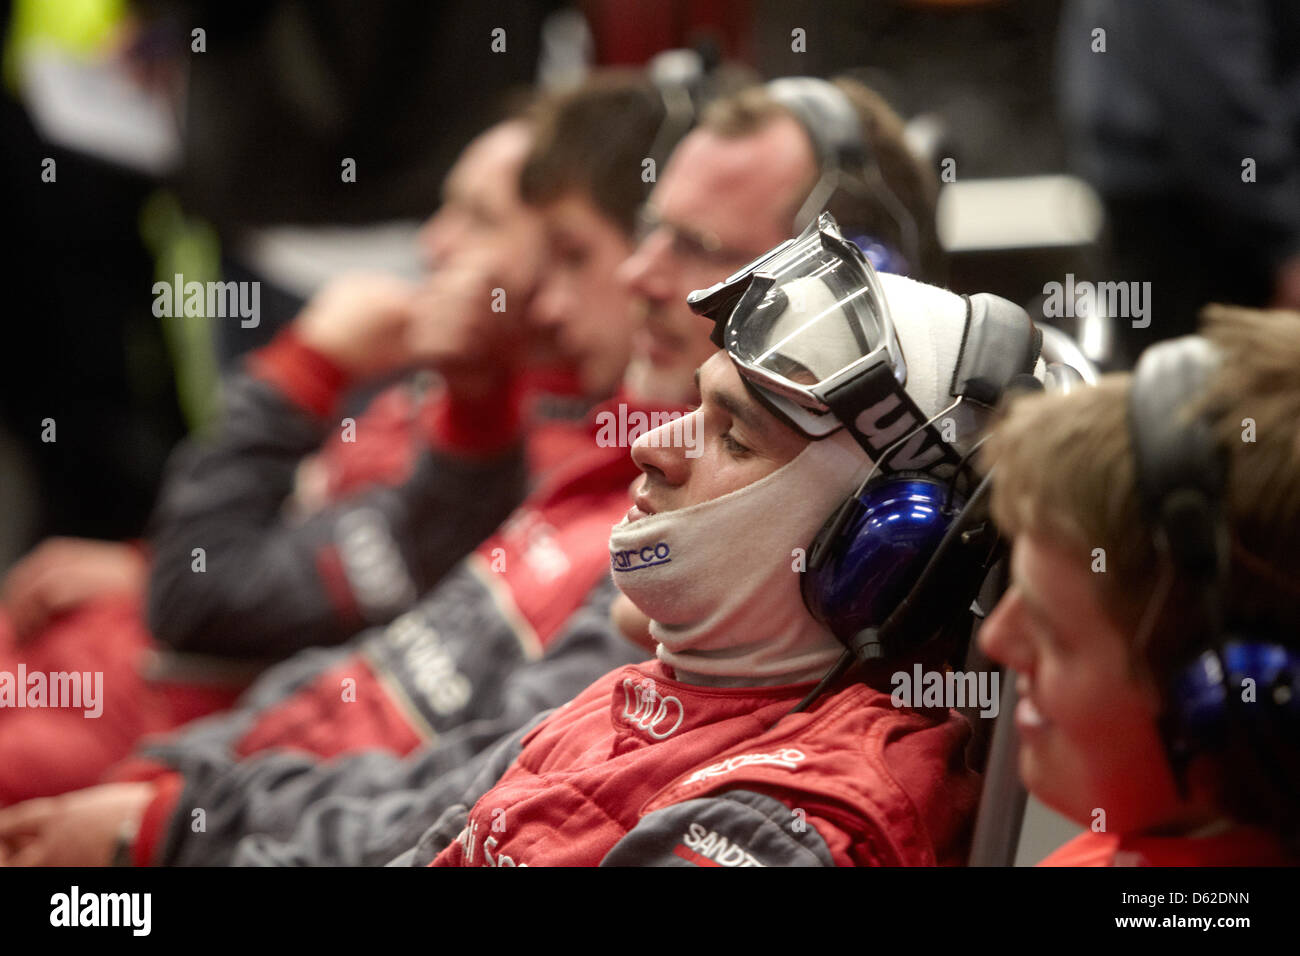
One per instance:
(850, 173)
(1181, 476)
(903, 558)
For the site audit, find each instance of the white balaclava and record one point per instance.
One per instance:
(719, 579)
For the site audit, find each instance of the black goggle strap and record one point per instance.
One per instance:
(825, 542)
(999, 343)
(887, 456)
(893, 431)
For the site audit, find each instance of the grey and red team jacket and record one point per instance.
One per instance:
(642, 769)
(519, 625)
(398, 496)
(411, 489)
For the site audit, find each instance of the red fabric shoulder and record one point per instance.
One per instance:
(894, 778)
(1235, 846)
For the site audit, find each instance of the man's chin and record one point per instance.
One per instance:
(1051, 787)
(633, 623)
(1031, 772)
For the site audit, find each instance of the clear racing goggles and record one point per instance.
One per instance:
(808, 328)
(803, 319)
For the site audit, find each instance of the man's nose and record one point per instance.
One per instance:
(662, 456)
(648, 271)
(549, 304)
(1003, 637)
(437, 239)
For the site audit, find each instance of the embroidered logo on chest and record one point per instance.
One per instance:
(644, 707)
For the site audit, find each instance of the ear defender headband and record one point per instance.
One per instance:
(679, 77)
(850, 174)
(1181, 474)
(809, 330)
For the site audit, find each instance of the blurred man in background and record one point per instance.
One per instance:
(695, 229)
(428, 476)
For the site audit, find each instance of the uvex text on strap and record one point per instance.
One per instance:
(887, 423)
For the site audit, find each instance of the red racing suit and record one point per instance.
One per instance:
(642, 769)
(52, 750)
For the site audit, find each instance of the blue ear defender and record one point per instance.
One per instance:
(871, 552)
(900, 562)
(1241, 686)
(896, 566)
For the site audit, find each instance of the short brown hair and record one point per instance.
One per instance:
(594, 139)
(1065, 470)
(914, 184)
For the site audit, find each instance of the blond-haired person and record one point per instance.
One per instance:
(1152, 610)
